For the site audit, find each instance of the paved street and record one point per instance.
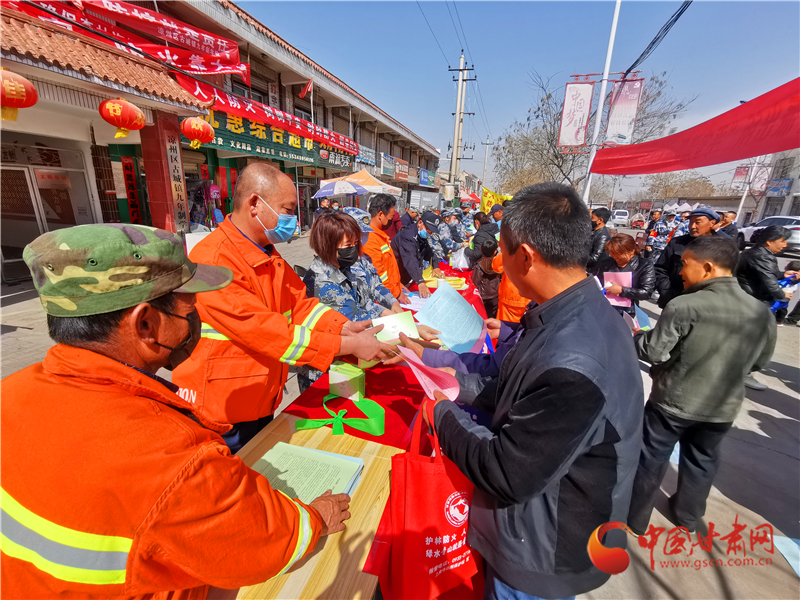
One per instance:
(759, 479)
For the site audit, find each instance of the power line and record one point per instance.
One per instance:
(483, 107)
(454, 24)
(463, 33)
(434, 35)
(659, 37)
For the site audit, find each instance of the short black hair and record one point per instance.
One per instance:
(332, 202)
(602, 213)
(793, 265)
(719, 250)
(75, 331)
(770, 234)
(481, 217)
(553, 219)
(381, 203)
(489, 248)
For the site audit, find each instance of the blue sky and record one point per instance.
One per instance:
(721, 51)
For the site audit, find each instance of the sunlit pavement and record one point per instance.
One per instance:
(758, 481)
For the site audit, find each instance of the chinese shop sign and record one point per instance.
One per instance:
(180, 210)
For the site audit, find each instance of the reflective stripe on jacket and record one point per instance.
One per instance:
(113, 487)
(379, 249)
(267, 324)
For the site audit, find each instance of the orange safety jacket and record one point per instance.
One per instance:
(110, 489)
(379, 249)
(252, 331)
(510, 304)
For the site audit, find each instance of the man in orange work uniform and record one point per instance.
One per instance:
(378, 246)
(128, 491)
(260, 325)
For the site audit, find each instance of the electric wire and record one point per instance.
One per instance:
(434, 35)
(662, 33)
(469, 52)
(454, 24)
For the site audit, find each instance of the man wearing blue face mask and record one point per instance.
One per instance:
(264, 323)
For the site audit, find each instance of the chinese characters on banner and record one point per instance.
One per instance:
(679, 541)
(131, 192)
(622, 116)
(739, 181)
(204, 172)
(189, 60)
(400, 169)
(575, 114)
(387, 165)
(241, 107)
(366, 155)
(179, 203)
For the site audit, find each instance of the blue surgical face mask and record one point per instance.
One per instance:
(283, 232)
(423, 233)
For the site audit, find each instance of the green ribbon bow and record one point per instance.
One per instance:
(374, 424)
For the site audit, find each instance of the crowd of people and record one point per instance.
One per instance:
(567, 445)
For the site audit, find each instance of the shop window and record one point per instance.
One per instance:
(783, 169)
(104, 178)
(249, 93)
(795, 212)
(303, 114)
(773, 207)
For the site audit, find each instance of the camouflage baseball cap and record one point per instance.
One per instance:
(95, 269)
(361, 216)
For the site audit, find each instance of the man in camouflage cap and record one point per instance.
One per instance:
(113, 485)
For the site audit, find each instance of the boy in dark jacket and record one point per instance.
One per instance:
(485, 231)
(559, 457)
(486, 279)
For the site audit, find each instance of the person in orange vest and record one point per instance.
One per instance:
(510, 304)
(378, 247)
(129, 491)
(260, 325)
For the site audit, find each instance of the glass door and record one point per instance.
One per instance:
(22, 220)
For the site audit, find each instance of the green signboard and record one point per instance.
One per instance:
(237, 134)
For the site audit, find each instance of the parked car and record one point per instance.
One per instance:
(620, 217)
(791, 223)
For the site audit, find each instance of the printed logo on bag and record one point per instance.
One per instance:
(456, 509)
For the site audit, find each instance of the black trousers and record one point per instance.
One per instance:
(699, 460)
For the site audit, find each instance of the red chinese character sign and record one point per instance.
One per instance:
(575, 114)
(131, 191)
(15, 92)
(197, 130)
(123, 115)
(622, 116)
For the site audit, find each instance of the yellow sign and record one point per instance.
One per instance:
(491, 198)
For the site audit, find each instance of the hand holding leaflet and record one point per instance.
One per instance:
(431, 379)
(621, 279)
(460, 325)
(394, 325)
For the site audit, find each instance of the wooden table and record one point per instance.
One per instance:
(333, 569)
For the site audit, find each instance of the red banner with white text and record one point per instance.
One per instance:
(188, 60)
(250, 109)
(764, 125)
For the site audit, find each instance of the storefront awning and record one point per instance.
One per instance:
(33, 42)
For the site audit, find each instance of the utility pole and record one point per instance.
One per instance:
(601, 103)
(453, 160)
(748, 187)
(485, 156)
(459, 124)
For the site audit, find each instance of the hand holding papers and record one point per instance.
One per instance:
(461, 326)
(431, 379)
(621, 279)
(394, 325)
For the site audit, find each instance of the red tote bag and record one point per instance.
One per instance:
(429, 509)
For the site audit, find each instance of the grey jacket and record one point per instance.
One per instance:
(705, 343)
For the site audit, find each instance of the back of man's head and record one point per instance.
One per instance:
(602, 213)
(381, 203)
(489, 248)
(552, 219)
(718, 250)
(257, 178)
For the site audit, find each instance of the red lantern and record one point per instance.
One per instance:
(198, 131)
(123, 115)
(15, 92)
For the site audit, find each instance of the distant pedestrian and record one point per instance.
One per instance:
(758, 270)
(323, 206)
(496, 213)
(794, 317)
(683, 226)
(668, 267)
(659, 235)
(624, 257)
(484, 230)
(486, 279)
(655, 217)
(701, 349)
(409, 218)
(600, 235)
(335, 204)
(727, 224)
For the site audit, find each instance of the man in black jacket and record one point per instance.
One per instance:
(600, 236)
(412, 249)
(559, 458)
(669, 283)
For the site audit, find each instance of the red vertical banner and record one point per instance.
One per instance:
(222, 182)
(204, 171)
(234, 175)
(131, 191)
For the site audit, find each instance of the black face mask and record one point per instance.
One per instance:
(346, 257)
(595, 224)
(182, 351)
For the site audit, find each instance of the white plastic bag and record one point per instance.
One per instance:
(458, 260)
